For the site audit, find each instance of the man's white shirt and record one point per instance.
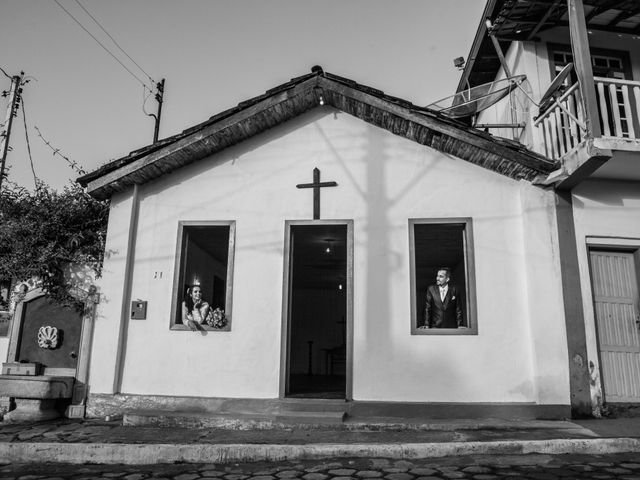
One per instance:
(443, 292)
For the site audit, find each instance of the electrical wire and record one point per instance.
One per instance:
(144, 100)
(26, 135)
(75, 166)
(114, 41)
(99, 43)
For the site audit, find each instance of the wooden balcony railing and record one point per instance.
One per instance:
(618, 109)
(562, 124)
(615, 96)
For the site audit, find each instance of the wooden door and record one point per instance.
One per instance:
(615, 293)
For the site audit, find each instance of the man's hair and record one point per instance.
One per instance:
(445, 269)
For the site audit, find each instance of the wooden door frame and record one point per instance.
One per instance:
(612, 244)
(286, 302)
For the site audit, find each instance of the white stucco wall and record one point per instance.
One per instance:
(107, 335)
(543, 294)
(605, 213)
(383, 180)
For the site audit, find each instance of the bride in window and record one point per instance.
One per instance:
(195, 311)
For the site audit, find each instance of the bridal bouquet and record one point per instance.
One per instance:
(217, 319)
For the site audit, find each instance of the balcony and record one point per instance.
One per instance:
(563, 123)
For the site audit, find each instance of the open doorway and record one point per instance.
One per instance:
(317, 311)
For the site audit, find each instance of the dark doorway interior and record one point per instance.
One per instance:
(317, 311)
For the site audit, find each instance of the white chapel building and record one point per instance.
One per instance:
(313, 219)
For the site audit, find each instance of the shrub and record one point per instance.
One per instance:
(43, 233)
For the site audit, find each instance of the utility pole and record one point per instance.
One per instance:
(159, 97)
(12, 110)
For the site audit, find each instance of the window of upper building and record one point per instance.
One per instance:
(203, 276)
(604, 62)
(616, 118)
(441, 248)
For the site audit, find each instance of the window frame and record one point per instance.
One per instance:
(470, 310)
(178, 272)
(564, 48)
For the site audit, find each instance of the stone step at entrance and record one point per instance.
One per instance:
(236, 421)
(247, 415)
(312, 405)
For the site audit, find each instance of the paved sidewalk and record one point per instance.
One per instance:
(98, 441)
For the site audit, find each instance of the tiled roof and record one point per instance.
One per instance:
(297, 96)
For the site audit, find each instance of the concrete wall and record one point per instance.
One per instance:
(540, 241)
(519, 354)
(606, 212)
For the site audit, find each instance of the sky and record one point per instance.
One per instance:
(213, 55)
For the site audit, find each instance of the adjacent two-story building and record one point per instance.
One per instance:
(589, 121)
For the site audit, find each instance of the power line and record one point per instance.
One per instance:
(56, 151)
(26, 135)
(144, 101)
(114, 41)
(99, 43)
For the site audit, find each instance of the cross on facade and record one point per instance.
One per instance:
(316, 185)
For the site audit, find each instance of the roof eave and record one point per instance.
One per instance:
(86, 179)
(444, 127)
(371, 105)
(198, 144)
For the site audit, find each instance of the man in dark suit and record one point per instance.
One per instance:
(442, 308)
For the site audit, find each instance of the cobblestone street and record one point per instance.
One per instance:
(536, 467)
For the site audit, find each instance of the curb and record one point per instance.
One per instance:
(144, 454)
